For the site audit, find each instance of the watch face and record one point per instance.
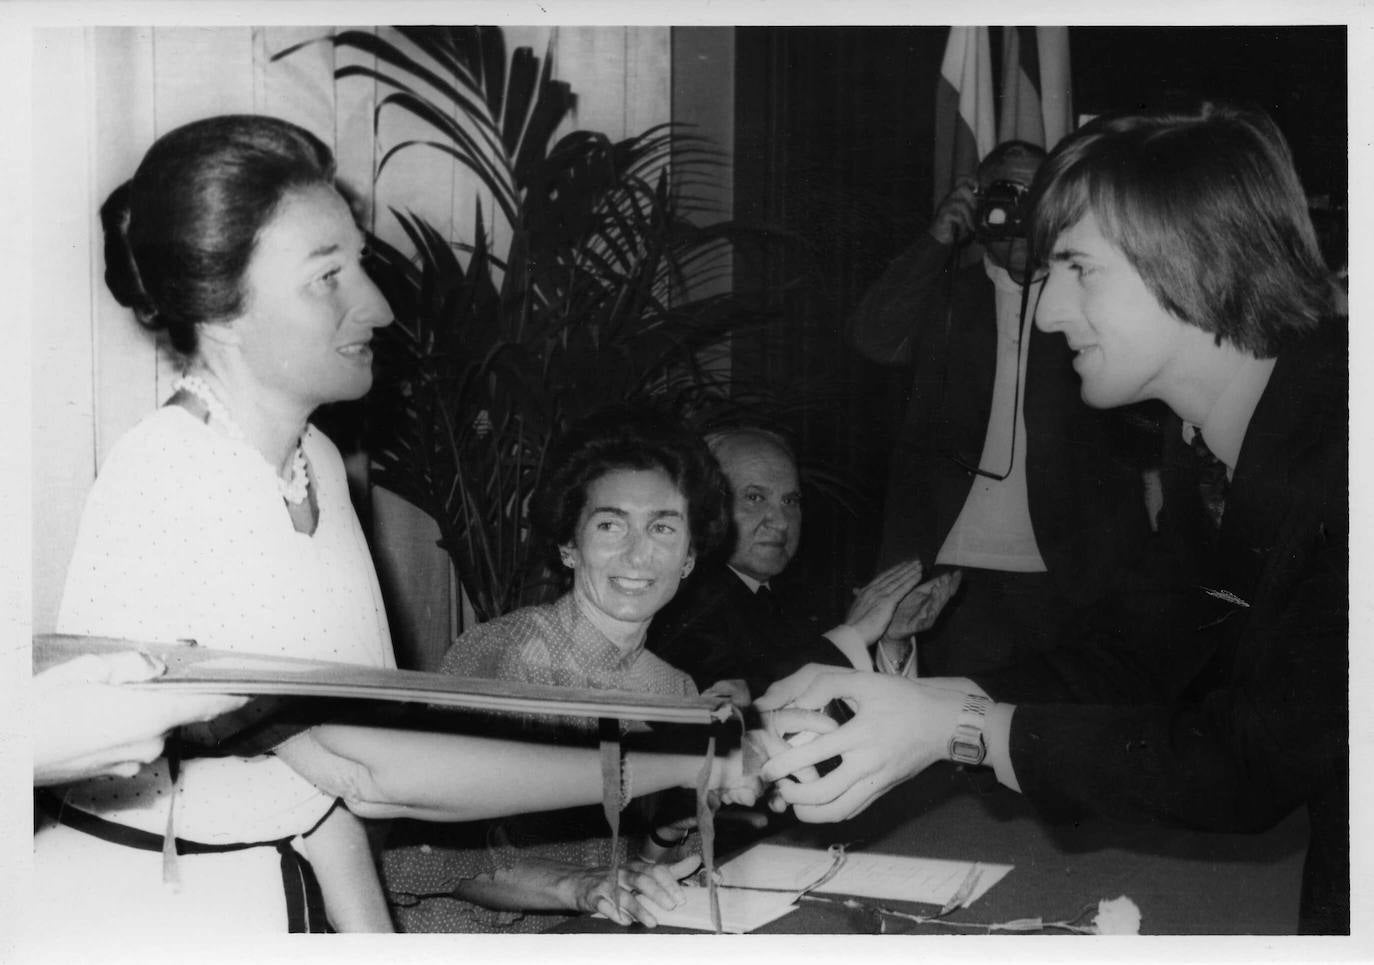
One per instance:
(967, 752)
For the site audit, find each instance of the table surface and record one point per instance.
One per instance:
(1184, 882)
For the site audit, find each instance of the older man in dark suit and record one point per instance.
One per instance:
(726, 623)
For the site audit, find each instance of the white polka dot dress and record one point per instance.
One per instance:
(186, 537)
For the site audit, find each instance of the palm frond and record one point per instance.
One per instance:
(590, 300)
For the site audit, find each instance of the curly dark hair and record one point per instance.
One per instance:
(631, 436)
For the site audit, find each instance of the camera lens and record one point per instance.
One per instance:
(999, 212)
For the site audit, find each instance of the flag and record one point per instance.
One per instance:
(1037, 103)
(964, 122)
(1056, 83)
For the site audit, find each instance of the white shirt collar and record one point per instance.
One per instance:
(749, 581)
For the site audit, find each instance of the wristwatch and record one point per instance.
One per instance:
(966, 744)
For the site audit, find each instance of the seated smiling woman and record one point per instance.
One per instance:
(630, 500)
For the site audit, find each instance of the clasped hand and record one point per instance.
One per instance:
(900, 728)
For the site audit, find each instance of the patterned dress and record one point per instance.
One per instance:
(556, 645)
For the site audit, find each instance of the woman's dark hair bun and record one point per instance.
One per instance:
(121, 270)
(179, 235)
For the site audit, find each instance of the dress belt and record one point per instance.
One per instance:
(304, 900)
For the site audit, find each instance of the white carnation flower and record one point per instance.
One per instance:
(1119, 916)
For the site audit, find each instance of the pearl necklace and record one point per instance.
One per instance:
(292, 490)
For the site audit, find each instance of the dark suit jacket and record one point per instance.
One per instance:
(717, 629)
(1086, 504)
(1220, 702)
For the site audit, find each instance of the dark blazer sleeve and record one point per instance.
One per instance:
(695, 633)
(714, 630)
(942, 324)
(906, 301)
(1117, 730)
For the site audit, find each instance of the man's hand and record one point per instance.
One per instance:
(920, 608)
(900, 728)
(953, 219)
(875, 604)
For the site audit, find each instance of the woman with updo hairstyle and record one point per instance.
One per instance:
(631, 498)
(224, 518)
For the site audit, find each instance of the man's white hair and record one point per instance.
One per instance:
(719, 438)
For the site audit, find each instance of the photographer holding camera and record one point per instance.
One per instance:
(998, 470)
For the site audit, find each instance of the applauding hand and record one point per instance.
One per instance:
(875, 604)
(920, 608)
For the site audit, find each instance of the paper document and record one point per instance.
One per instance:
(740, 911)
(931, 881)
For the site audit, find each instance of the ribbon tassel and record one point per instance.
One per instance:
(707, 803)
(612, 797)
(171, 869)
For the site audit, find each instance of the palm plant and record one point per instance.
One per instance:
(591, 300)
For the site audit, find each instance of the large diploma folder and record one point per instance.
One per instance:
(195, 669)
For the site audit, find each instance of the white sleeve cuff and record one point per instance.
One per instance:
(896, 657)
(997, 735)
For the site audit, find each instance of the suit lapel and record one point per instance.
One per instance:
(1278, 474)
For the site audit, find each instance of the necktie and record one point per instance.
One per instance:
(1212, 481)
(768, 601)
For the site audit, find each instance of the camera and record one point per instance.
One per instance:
(1000, 212)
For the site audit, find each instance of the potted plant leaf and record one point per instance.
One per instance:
(592, 297)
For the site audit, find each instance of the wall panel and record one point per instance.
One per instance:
(354, 145)
(62, 352)
(125, 123)
(593, 59)
(201, 71)
(300, 87)
(648, 77)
